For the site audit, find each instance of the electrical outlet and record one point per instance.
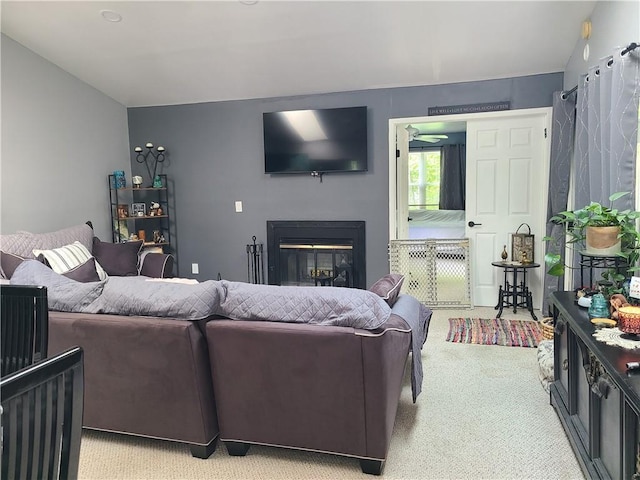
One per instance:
(194, 268)
(238, 206)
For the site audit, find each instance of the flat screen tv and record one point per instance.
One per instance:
(321, 140)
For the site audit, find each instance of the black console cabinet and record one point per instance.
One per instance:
(597, 400)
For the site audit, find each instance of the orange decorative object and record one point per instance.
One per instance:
(629, 319)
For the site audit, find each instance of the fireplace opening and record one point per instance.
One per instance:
(309, 253)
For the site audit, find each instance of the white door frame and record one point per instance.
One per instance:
(396, 122)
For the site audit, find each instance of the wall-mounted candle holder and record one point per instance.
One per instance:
(157, 156)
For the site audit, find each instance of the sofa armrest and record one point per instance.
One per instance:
(157, 265)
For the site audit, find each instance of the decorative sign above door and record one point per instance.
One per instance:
(471, 108)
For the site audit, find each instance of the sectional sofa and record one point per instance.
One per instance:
(331, 389)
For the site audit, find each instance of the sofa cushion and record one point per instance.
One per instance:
(388, 287)
(23, 243)
(84, 273)
(68, 257)
(157, 265)
(9, 262)
(118, 259)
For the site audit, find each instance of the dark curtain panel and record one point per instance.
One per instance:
(562, 139)
(452, 176)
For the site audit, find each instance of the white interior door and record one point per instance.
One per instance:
(402, 181)
(507, 165)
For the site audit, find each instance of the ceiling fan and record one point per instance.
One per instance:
(414, 134)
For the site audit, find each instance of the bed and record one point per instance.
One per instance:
(436, 224)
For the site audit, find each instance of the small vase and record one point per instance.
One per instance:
(599, 307)
(504, 255)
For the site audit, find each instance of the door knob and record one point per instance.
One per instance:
(473, 224)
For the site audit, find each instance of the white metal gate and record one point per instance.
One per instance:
(436, 270)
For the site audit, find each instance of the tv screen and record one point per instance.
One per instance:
(322, 140)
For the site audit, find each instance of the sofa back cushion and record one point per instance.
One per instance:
(23, 243)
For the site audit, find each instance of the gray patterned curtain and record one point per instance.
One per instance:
(607, 130)
(607, 133)
(562, 139)
(452, 177)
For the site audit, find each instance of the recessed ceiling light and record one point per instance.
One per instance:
(111, 16)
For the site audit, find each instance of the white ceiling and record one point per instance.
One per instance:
(164, 52)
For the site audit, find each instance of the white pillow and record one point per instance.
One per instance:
(66, 258)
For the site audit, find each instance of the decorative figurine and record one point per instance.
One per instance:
(157, 182)
(137, 181)
(504, 255)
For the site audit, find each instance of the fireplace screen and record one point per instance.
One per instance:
(316, 265)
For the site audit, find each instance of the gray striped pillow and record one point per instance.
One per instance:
(66, 258)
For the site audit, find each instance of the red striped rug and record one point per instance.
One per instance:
(497, 331)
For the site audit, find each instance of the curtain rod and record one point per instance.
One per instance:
(632, 46)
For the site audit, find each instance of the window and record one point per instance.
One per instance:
(424, 179)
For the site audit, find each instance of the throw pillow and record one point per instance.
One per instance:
(118, 259)
(9, 262)
(66, 258)
(388, 287)
(84, 273)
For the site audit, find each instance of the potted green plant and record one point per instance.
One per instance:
(599, 229)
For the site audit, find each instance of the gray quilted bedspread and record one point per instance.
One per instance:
(346, 307)
(122, 295)
(136, 295)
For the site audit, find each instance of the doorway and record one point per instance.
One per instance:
(507, 165)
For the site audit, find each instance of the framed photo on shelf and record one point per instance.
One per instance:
(123, 211)
(138, 209)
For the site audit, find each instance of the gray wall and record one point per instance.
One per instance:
(614, 24)
(216, 158)
(60, 139)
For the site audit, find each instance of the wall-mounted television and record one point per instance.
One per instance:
(320, 140)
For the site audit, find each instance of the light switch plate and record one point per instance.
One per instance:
(238, 206)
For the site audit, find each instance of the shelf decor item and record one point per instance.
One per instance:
(123, 210)
(629, 321)
(119, 180)
(137, 181)
(157, 156)
(599, 307)
(138, 209)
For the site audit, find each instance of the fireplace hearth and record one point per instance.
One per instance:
(316, 253)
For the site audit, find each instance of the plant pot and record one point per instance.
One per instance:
(603, 240)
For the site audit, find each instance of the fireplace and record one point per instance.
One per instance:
(316, 253)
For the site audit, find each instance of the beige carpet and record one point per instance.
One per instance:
(482, 414)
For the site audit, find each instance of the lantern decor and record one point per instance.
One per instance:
(522, 245)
